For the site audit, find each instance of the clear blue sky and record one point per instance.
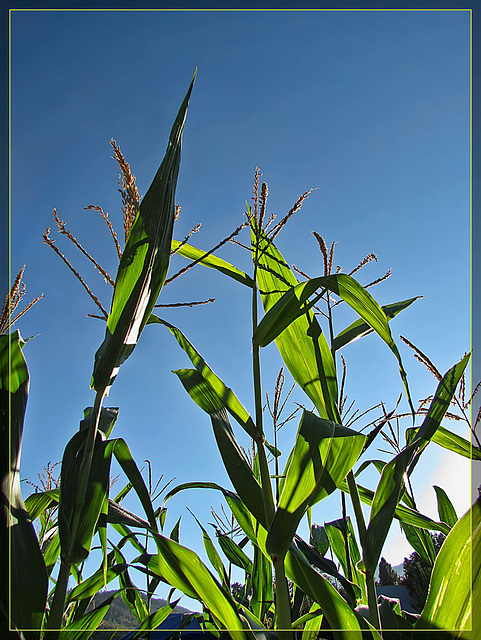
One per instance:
(371, 108)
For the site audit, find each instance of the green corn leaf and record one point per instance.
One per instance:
(313, 625)
(391, 485)
(450, 441)
(401, 513)
(155, 619)
(302, 344)
(184, 570)
(339, 614)
(227, 397)
(130, 594)
(175, 533)
(129, 467)
(92, 585)
(378, 464)
(319, 539)
(420, 541)
(446, 510)
(28, 583)
(234, 553)
(338, 531)
(262, 591)
(209, 260)
(359, 328)
(453, 587)
(353, 592)
(51, 551)
(37, 503)
(294, 304)
(234, 460)
(82, 629)
(323, 454)
(236, 505)
(144, 263)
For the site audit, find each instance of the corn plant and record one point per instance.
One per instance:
(267, 505)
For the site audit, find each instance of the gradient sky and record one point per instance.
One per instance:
(369, 108)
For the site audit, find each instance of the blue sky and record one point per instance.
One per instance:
(370, 108)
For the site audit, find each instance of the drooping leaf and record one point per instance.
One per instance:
(144, 263)
(391, 484)
(130, 594)
(454, 588)
(192, 253)
(23, 595)
(92, 585)
(323, 454)
(401, 513)
(446, 510)
(294, 304)
(450, 441)
(227, 397)
(213, 555)
(235, 462)
(359, 328)
(302, 344)
(37, 503)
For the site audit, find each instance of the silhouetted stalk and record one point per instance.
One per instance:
(58, 604)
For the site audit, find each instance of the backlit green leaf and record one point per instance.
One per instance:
(144, 263)
(451, 441)
(446, 510)
(391, 484)
(294, 304)
(453, 587)
(323, 454)
(359, 328)
(209, 260)
(302, 344)
(235, 462)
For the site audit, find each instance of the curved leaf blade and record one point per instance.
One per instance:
(323, 455)
(301, 343)
(294, 304)
(451, 590)
(212, 261)
(446, 510)
(359, 328)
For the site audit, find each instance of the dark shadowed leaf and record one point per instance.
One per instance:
(25, 594)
